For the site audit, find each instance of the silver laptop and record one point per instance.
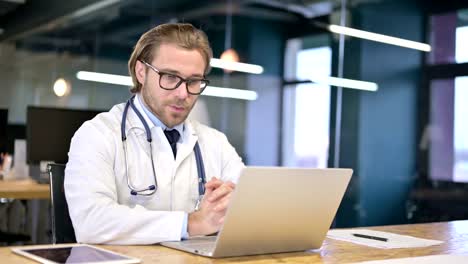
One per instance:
(275, 209)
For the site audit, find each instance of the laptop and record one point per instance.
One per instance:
(273, 210)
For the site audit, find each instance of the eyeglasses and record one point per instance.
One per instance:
(170, 81)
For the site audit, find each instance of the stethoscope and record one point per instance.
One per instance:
(150, 190)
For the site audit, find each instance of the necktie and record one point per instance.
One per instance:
(172, 136)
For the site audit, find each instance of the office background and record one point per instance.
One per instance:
(406, 141)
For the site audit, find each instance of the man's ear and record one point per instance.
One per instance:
(140, 72)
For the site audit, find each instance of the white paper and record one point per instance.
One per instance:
(435, 259)
(393, 240)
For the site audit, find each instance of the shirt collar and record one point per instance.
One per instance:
(154, 119)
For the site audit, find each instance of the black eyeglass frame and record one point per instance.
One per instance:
(182, 80)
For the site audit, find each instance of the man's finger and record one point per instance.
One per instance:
(221, 220)
(223, 203)
(213, 183)
(231, 184)
(220, 192)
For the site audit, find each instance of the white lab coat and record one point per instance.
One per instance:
(101, 207)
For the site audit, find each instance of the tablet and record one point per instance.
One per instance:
(73, 253)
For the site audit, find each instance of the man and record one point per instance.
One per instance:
(130, 178)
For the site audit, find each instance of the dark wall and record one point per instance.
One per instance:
(379, 129)
(267, 43)
(263, 129)
(250, 124)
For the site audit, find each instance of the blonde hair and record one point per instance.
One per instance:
(183, 35)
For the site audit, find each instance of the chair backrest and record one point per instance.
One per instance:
(62, 228)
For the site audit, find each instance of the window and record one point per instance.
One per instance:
(448, 129)
(306, 112)
(460, 135)
(449, 35)
(461, 51)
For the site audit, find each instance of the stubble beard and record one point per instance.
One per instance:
(169, 119)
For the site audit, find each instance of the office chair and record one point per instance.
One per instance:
(62, 228)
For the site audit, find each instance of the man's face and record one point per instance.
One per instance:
(170, 106)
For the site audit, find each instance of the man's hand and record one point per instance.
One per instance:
(210, 217)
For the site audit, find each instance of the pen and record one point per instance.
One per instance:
(371, 237)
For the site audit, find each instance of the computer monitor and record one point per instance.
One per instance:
(3, 129)
(49, 132)
(14, 132)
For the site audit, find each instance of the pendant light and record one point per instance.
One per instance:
(229, 53)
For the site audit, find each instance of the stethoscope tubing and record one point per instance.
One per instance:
(150, 190)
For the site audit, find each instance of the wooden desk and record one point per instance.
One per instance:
(455, 235)
(31, 191)
(24, 190)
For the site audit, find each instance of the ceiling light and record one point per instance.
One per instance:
(236, 66)
(62, 87)
(104, 78)
(127, 81)
(345, 83)
(378, 37)
(230, 55)
(229, 60)
(230, 93)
